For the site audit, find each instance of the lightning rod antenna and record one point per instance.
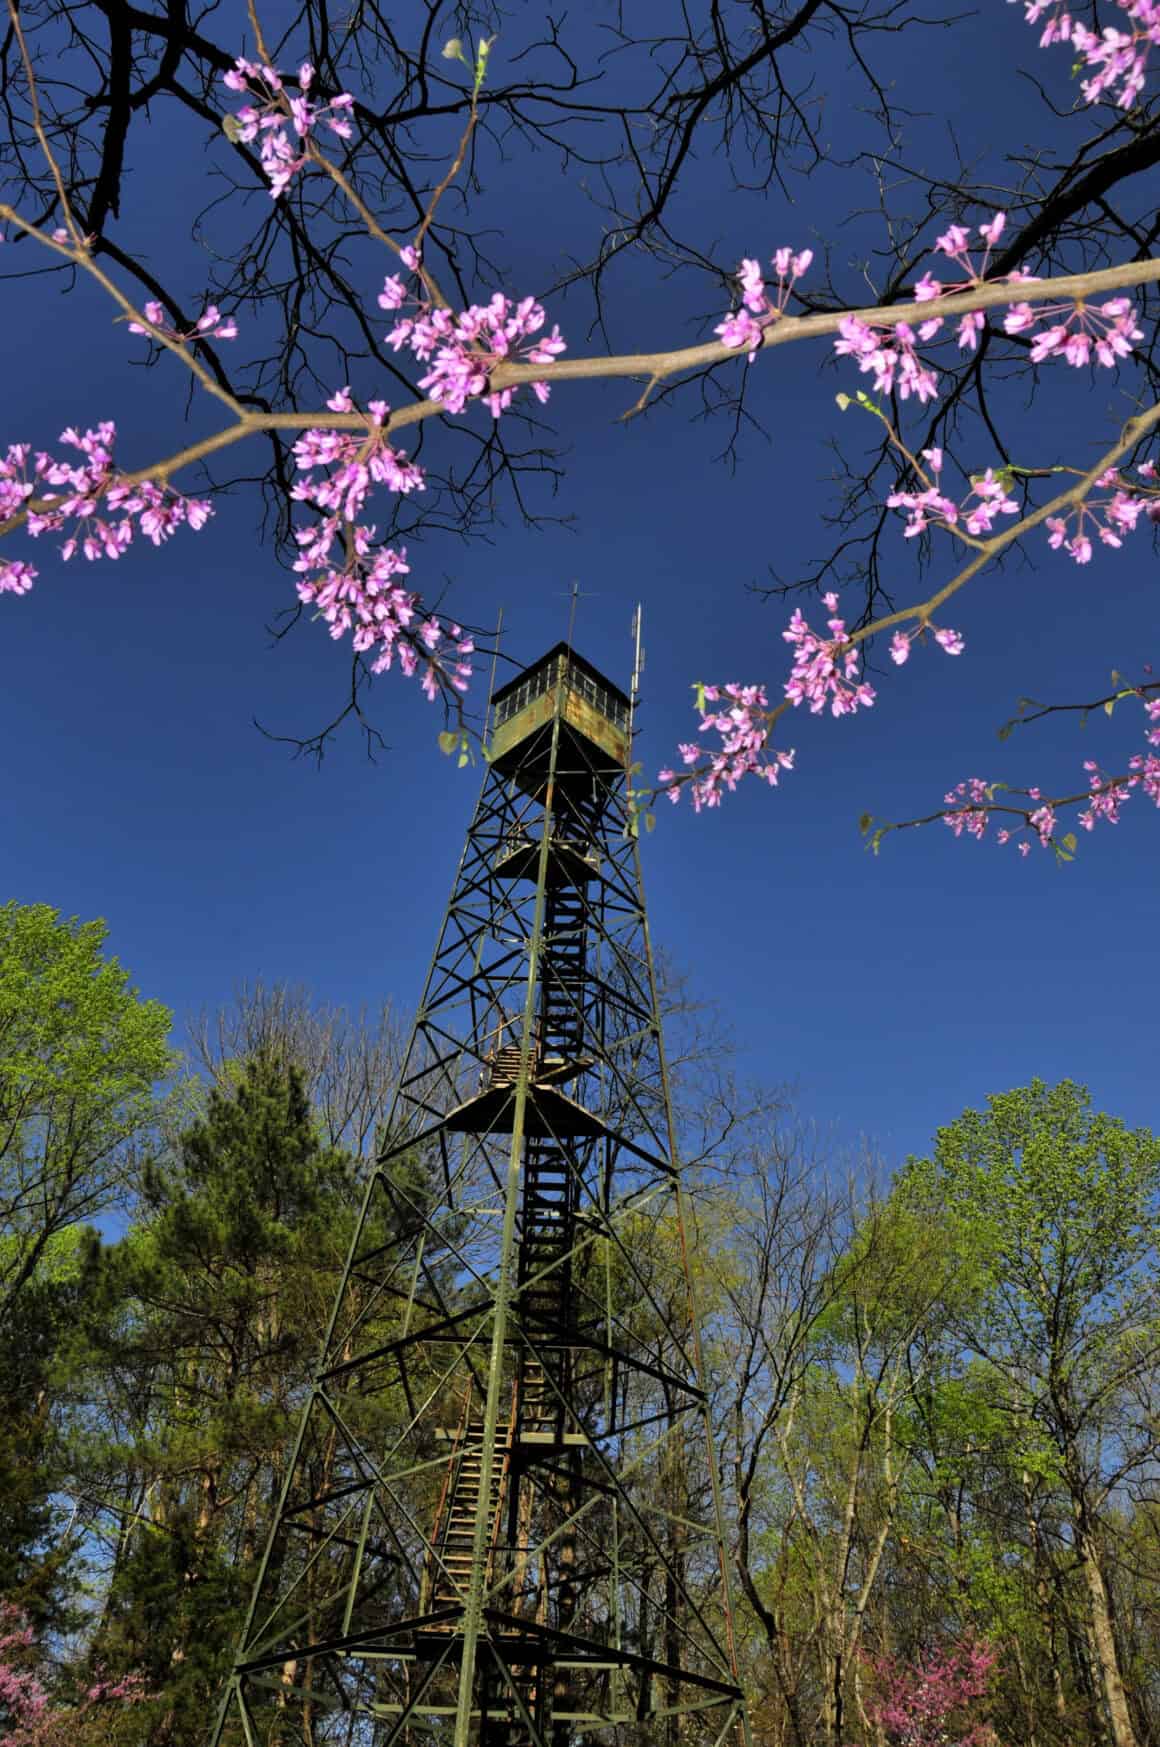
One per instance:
(637, 661)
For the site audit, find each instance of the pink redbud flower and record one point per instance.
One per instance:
(274, 112)
(1043, 821)
(825, 671)
(752, 286)
(743, 751)
(742, 328)
(968, 802)
(953, 241)
(16, 577)
(740, 331)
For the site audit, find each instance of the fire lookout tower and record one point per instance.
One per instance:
(500, 1522)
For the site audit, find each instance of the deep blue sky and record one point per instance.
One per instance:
(892, 991)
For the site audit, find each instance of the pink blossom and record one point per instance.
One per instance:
(825, 670)
(1081, 332)
(88, 501)
(752, 287)
(1106, 796)
(955, 243)
(1115, 57)
(1043, 821)
(356, 589)
(1112, 510)
(935, 1700)
(212, 325)
(16, 577)
(742, 329)
(891, 356)
(463, 350)
(274, 113)
(742, 724)
(968, 802)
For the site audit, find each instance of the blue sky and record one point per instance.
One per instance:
(890, 991)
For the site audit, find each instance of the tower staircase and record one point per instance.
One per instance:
(453, 1537)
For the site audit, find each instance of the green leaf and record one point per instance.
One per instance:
(483, 50)
(865, 823)
(844, 402)
(449, 741)
(1071, 841)
(650, 821)
(231, 129)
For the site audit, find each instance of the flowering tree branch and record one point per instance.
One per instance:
(489, 352)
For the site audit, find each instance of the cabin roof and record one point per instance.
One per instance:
(575, 660)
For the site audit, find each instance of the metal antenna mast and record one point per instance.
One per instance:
(500, 1524)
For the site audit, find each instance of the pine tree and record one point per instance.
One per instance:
(219, 1293)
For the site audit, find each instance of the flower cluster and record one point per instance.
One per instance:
(1109, 793)
(462, 350)
(21, 1694)
(362, 593)
(86, 497)
(1109, 517)
(970, 803)
(213, 325)
(1081, 333)
(742, 723)
(743, 328)
(918, 1703)
(932, 506)
(951, 641)
(31, 1719)
(1115, 57)
(890, 353)
(825, 669)
(276, 112)
(955, 244)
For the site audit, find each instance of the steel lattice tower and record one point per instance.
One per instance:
(500, 1523)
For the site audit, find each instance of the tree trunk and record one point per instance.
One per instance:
(1103, 1636)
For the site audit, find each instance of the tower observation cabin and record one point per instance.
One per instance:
(562, 702)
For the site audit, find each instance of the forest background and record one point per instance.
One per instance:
(934, 1389)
